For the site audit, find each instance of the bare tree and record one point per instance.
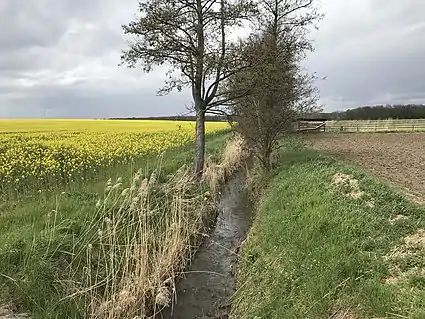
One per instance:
(191, 37)
(279, 89)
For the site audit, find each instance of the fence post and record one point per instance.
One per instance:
(413, 127)
(376, 126)
(357, 128)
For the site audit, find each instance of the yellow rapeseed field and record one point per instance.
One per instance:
(67, 150)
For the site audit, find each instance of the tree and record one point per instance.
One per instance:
(279, 89)
(383, 112)
(191, 38)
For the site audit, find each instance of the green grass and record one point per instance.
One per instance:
(25, 213)
(312, 250)
(30, 261)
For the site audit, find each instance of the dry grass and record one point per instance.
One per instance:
(233, 157)
(417, 239)
(140, 239)
(343, 314)
(137, 241)
(348, 184)
(121, 260)
(398, 218)
(46, 266)
(406, 260)
(7, 312)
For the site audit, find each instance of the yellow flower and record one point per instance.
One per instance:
(58, 149)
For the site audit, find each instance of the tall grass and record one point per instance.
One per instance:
(135, 243)
(235, 154)
(119, 259)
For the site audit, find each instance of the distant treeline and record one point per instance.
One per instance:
(381, 112)
(208, 118)
(378, 112)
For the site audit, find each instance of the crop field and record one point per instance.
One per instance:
(43, 152)
(87, 125)
(73, 193)
(395, 157)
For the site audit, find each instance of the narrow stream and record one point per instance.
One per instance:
(209, 283)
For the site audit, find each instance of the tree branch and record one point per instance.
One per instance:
(221, 112)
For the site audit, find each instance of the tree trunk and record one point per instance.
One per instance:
(200, 143)
(266, 160)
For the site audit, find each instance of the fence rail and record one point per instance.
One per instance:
(416, 125)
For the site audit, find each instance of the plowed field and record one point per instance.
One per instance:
(396, 157)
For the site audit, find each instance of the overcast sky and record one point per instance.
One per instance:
(59, 58)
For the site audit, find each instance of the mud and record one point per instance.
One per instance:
(208, 285)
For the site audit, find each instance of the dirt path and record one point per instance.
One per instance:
(209, 284)
(396, 157)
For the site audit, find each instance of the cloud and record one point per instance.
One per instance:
(371, 52)
(60, 58)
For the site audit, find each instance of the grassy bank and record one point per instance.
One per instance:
(74, 251)
(329, 241)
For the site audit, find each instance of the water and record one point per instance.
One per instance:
(209, 283)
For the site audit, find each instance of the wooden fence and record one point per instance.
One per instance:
(415, 125)
(308, 126)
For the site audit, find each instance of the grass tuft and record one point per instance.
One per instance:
(135, 243)
(233, 157)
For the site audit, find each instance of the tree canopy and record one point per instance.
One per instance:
(192, 38)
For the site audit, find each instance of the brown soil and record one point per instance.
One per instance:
(396, 157)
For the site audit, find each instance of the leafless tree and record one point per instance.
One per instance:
(279, 88)
(191, 37)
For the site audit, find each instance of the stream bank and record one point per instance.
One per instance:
(209, 283)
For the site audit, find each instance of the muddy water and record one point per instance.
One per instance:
(209, 283)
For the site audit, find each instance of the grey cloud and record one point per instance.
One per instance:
(372, 52)
(79, 101)
(59, 58)
(39, 23)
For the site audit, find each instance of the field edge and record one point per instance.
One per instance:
(316, 252)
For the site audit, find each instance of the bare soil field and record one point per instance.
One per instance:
(395, 157)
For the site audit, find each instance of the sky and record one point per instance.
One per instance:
(59, 59)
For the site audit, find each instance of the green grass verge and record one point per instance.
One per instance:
(313, 252)
(29, 264)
